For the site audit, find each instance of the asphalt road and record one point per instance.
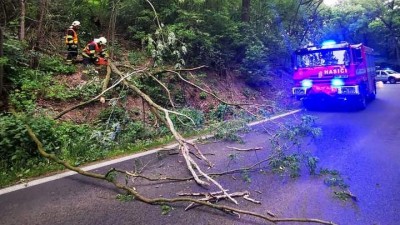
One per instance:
(362, 145)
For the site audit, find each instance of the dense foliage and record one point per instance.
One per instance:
(214, 32)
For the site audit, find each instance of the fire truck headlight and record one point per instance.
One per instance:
(328, 42)
(306, 83)
(337, 82)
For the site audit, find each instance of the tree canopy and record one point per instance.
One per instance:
(254, 36)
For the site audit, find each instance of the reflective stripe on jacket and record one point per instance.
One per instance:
(72, 37)
(91, 49)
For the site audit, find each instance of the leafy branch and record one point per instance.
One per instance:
(110, 177)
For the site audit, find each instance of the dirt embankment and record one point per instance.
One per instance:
(229, 87)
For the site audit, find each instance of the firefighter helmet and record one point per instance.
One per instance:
(102, 41)
(76, 23)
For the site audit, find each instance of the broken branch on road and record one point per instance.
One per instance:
(110, 177)
(245, 149)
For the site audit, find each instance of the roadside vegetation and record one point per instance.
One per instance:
(177, 69)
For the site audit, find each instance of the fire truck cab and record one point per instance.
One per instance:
(334, 73)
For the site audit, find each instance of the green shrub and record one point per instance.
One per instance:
(203, 95)
(16, 147)
(286, 164)
(133, 132)
(184, 124)
(55, 64)
(23, 100)
(76, 144)
(136, 57)
(179, 95)
(154, 90)
(283, 161)
(221, 112)
(333, 178)
(255, 65)
(29, 79)
(112, 115)
(228, 130)
(306, 128)
(14, 52)
(90, 89)
(60, 92)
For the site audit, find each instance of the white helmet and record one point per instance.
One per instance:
(102, 41)
(76, 23)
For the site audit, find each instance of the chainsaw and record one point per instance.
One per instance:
(102, 61)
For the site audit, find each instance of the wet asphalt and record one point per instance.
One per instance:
(362, 145)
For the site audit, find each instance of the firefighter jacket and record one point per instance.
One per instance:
(72, 37)
(92, 49)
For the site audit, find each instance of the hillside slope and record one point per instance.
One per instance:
(230, 87)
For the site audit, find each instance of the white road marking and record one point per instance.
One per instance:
(275, 117)
(114, 161)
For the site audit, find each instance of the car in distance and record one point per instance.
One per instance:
(388, 75)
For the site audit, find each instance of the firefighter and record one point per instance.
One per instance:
(95, 52)
(71, 40)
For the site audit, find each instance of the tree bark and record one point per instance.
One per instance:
(397, 54)
(22, 21)
(246, 11)
(1, 65)
(113, 21)
(39, 33)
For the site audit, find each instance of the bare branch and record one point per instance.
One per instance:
(155, 14)
(181, 114)
(247, 197)
(245, 149)
(105, 83)
(199, 153)
(95, 98)
(142, 198)
(183, 147)
(239, 105)
(165, 88)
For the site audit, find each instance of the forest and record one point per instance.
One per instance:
(174, 65)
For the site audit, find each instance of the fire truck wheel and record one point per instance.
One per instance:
(309, 105)
(372, 95)
(392, 80)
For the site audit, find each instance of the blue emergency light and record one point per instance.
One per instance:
(337, 82)
(306, 83)
(328, 43)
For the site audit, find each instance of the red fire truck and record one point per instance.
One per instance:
(334, 73)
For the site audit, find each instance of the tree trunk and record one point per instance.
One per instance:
(113, 21)
(22, 21)
(397, 54)
(246, 11)
(39, 33)
(1, 65)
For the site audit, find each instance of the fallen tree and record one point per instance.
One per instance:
(208, 199)
(186, 149)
